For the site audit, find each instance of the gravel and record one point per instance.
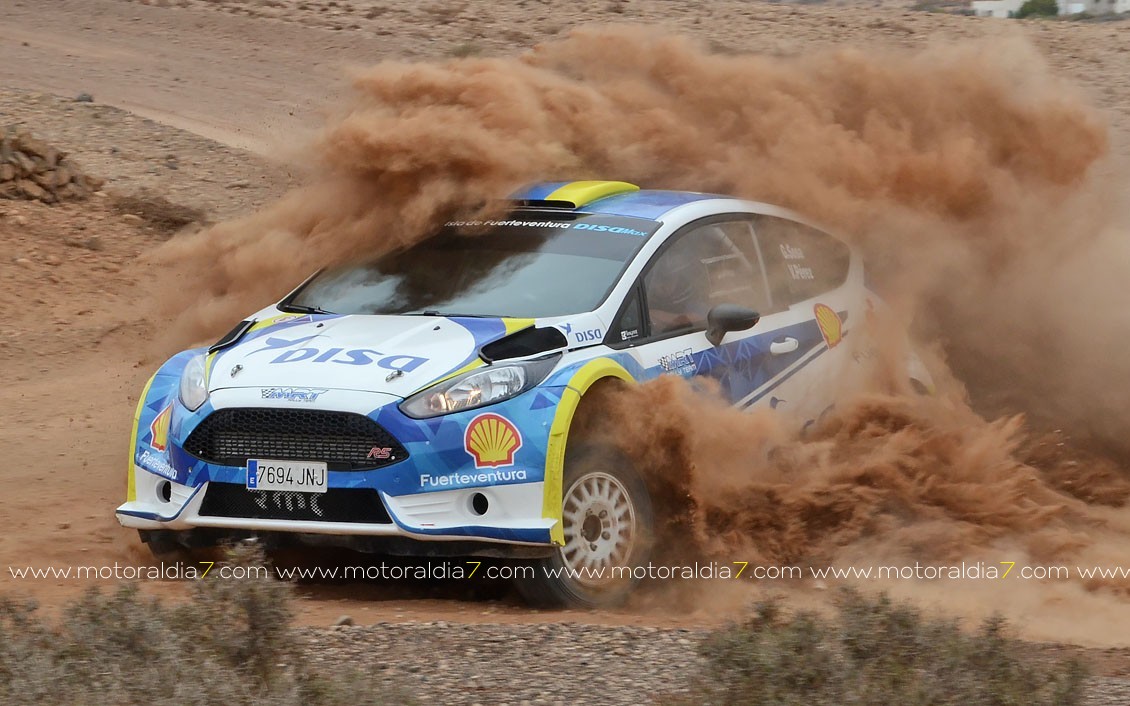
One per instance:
(453, 663)
(565, 663)
(1107, 691)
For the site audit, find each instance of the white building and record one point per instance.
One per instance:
(996, 8)
(1009, 8)
(1102, 7)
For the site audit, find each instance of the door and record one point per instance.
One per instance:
(663, 323)
(791, 274)
(807, 271)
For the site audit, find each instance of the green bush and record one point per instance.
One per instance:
(1038, 8)
(230, 643)
(877, 652)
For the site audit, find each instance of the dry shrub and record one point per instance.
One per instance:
(230, 643)
(875, 651)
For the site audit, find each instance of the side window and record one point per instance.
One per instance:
(708, 265)
(800, 261)
(629, 326)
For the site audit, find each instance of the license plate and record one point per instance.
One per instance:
(295, 476)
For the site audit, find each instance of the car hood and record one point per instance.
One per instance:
(391, 354)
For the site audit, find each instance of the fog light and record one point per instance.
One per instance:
(165, 491)
(479, 504)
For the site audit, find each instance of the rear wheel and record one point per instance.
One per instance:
(608, 527)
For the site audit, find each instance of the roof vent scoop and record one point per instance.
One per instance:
(571, 194)
(521, 344)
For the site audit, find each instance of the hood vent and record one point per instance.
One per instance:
(523, 344)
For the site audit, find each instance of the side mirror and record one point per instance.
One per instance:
(728, 317)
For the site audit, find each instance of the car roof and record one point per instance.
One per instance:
(613, 198)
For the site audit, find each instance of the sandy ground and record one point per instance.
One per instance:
(257, 76)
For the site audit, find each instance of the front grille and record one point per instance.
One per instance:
(345, 441)
(334, 505)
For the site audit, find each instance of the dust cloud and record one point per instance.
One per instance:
(977, 184)
(884, 145)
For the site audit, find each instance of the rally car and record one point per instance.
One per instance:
(421, 403)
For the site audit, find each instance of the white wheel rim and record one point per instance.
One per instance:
(600, 528)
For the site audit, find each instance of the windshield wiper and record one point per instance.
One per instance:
(303, 309)
(433, 312)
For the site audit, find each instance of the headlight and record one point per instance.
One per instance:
(478, 388)
(193, 391)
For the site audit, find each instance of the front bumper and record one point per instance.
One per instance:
(439, 515)
(438, 493)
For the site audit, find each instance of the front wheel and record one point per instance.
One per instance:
(165, 545)
(608, 527)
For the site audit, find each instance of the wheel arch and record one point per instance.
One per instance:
(162, 384)
(588, 375)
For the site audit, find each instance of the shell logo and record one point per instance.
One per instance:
(830, 325)
(159, 429)
(492, 441)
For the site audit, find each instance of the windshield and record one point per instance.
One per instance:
(532, 265)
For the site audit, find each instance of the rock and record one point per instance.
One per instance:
(84, 98)
(343, 621)
(23, 262)
(240, 184)
(46, 179)
(87, 182)
(52, 260)
(30, 168)
(25, 163)
(132, 218)
(62, 175)
(33, 191)
(32, 146)
(71, 192)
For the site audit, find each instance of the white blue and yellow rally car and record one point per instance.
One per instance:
(421, 403)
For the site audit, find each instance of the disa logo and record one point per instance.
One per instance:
(492, 440)
(287, 353)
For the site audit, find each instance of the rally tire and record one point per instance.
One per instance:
(608, 524)
(162, 544)
(171, 545)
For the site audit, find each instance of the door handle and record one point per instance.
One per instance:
(783, 346)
